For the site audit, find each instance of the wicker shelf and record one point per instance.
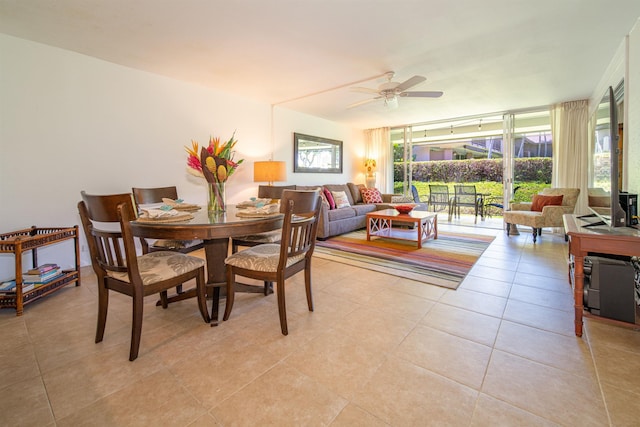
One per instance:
(30, 239)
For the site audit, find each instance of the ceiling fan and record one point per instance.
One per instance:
(390, 91)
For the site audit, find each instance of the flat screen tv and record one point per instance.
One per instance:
(603, 193)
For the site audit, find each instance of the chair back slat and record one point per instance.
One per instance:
(300, 226)
(110, 249)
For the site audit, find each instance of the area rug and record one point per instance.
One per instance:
(444, 261)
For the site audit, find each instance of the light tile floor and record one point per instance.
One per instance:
(378, 351)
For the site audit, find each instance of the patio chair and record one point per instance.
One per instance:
(439, 196)
(415, 195)
(496, 202)
(467, 196)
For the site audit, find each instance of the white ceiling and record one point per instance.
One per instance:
(487, 56)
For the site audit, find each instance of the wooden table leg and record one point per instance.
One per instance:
(578, 275)
(216, 250)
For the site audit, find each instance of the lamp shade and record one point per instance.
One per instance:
(370, 166)
(269, 171)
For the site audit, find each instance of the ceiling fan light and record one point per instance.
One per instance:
(391, 103)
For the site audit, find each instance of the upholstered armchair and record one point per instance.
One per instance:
(545, 210)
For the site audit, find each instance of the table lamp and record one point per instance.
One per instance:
(370, 166)
(269, 171)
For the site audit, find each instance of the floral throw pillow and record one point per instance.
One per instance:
(371, 195)
(341, 199)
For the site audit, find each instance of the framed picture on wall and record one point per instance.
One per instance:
(313, 154)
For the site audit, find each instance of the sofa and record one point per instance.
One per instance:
(342, 220)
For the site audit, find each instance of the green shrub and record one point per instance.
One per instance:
(531, 174)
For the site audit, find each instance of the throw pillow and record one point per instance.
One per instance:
(540, 201)
(371, 195)
(356, 195)
(329, 197)
(341, 199)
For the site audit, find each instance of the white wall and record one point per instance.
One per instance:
(69, 122)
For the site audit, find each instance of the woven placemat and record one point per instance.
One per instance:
(175, 218)
(256, 214)
(187, 208)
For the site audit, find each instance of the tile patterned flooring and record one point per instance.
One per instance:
(378, 351)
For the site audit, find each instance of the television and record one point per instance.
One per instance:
(603, 192)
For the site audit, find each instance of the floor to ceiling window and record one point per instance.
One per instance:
(496, 153)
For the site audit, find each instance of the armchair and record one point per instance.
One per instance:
(537, 214)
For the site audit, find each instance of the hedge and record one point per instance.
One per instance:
(537, 169)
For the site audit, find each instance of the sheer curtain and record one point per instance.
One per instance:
(378, 147)
(569, 127)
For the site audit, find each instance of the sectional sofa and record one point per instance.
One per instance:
(339, 220)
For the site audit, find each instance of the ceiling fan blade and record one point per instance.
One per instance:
(422, 94)
(364, 90)
(410, 83)
(366, 101)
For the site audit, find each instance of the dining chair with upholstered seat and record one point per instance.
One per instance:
(118, 267)
(276, 262)
(272, 236)
(264, 192)
(143, 196)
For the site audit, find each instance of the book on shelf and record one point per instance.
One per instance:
(41, 278)
(10, 287)
(41, 269)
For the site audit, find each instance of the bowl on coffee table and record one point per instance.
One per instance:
(404, 209)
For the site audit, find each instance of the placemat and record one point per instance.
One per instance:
(175, 218)
(243, 214)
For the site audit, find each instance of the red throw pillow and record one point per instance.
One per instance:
(371, 195)
(329, 197)
(540, 201)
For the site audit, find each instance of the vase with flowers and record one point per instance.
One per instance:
(216, 164)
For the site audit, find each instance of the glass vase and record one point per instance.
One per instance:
(216, 201)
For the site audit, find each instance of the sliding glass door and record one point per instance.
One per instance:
(496, 153)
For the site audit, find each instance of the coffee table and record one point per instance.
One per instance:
(380, 224)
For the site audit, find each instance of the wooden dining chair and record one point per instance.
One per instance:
(143, 196)
(264, 192)
(272, 236)
(273, 262)
(119, 268)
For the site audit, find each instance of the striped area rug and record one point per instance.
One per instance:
(443, 262)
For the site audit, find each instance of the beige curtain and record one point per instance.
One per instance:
(378, 147)
(570, 127)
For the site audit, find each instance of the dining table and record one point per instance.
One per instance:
(215, 230)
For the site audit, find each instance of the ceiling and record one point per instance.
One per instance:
(488, 56)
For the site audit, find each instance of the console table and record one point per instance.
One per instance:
(600, 239)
